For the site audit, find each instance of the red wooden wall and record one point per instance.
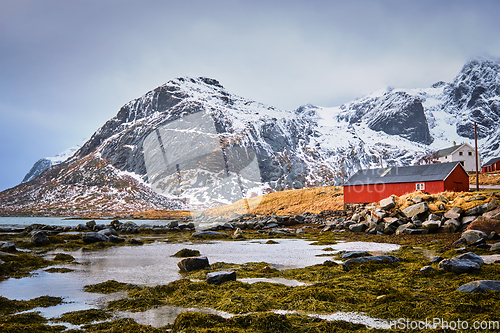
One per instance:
(490, 168)
(457, 181)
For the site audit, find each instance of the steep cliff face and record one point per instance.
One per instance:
(192, 141)
(474, 96)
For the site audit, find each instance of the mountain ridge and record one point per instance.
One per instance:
(239, 148)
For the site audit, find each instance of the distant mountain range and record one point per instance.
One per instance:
(190, 143)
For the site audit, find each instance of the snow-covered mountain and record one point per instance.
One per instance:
(44, 163)
(192, 140)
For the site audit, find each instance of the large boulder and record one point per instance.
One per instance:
(431, 225)
(401, 229)
(493, 204)
(470, 256)
(355, 254)
(39, 238)
(453, 213)
(478, 210)
(358, 227)
(416, 209)
(480, 286)
(378, 259)
(221, 277)
(464, 263)
(458, 266)
(193, 263)
(494, 214)
(388, 203)
(484, 224)
(472, 236)
(209, 234)
(94, 237)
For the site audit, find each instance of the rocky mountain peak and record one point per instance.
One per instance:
(473, 97)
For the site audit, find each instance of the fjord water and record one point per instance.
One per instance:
(152, 264)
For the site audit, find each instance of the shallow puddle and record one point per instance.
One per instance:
(352, 317)
(286, 282)
(152, 264)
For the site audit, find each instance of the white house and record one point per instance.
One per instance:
(463, 153)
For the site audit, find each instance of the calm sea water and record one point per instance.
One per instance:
(62, 221)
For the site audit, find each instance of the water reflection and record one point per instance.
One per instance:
(152, 264)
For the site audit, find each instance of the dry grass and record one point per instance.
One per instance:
(490, 178)
(153, 214)
(455, 199)
(292, 202)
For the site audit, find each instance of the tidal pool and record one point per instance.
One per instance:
(152, 264)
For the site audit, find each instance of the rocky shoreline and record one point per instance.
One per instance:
(454, 282)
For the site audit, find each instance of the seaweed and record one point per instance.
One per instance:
(8, 306)
(83, 317)
(184, 253)
(108, 287)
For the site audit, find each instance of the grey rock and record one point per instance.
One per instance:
(193, 263)
(173, 224)
(355, 254)
(470, 256)
(495, 247)
(134, 241)
(8, 246)
(401, 229)
(494, 214)
(388, 203)
(431, 225)
(453, 213)
(468, 219)
(434, 217)
(378, 215)
(115, 239)
(380, 259)
(427, 269)
(416, 209)
(478, 210)
(94, 237)
(358, 227)
(221, 277)
(417, 200)
(492, 205)
(452, 223)
(458, 266)
(108, 232)
(90, 225)
(441, 207)
(480, 286)
(39, 238)
(473, 235)
(437, 259)
(356, 217)
(409, 231)
(459, 242)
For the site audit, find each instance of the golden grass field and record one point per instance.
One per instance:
(317, 199)
(489, 178)
(291, 202)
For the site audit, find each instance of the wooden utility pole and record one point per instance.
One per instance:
(477, 162)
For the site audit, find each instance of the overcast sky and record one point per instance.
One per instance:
(67, 66)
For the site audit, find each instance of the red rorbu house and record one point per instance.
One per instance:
(376, 184)
(491, 165)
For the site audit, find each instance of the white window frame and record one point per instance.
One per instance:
(420, 186)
